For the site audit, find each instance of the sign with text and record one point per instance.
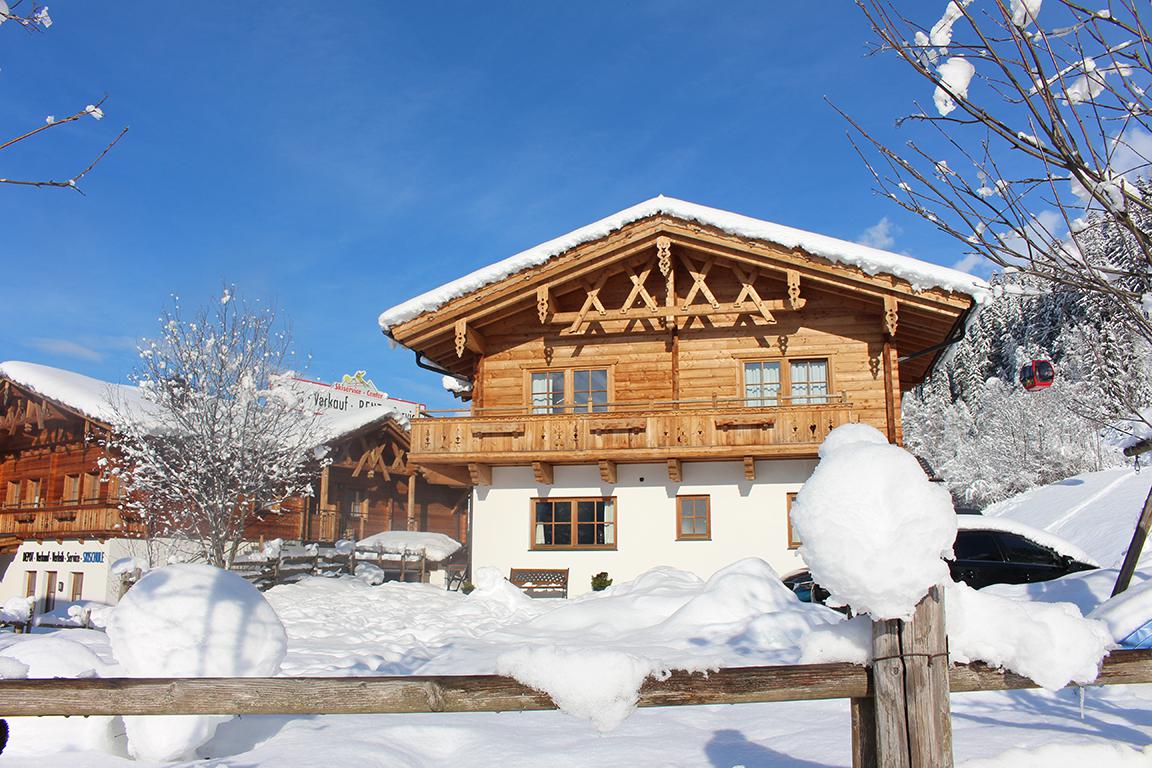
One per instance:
(351, 393)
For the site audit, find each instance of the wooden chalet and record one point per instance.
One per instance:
(61, 526)
(672, 346)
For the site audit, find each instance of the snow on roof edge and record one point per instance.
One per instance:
(95, 398)
(920, 274)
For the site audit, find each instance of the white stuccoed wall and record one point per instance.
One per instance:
(749, 518)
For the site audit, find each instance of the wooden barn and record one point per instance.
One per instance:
(652, 389)
(61, 526)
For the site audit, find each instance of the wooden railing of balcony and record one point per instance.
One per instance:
(632, 432)
(77, 518)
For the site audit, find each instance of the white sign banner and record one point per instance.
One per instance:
(352, 393)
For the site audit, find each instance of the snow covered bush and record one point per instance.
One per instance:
(191, 620)
(874, 527)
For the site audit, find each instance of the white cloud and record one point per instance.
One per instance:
(972, 263)
(882, 234)
(65, 348)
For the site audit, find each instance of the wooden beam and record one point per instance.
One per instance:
(891, 315)
(890, 396)
(412, 519)
(748, 290)
(675, 470)
(543, 472)
(545, 304)
(446, 474)
(749, 468)
(699, 281)
(794, 290)
(1135, 547)
(697, 310)
(608, 471)
(481, 474)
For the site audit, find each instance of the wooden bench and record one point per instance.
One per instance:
(541, 582)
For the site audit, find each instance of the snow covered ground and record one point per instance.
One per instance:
(583, 648)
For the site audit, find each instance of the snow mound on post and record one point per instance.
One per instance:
(848, 434)
(874, 527)
(191, 620)
(1051, 643)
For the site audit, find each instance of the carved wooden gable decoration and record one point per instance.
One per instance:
(663, 275)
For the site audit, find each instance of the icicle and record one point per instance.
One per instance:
(1081, 701)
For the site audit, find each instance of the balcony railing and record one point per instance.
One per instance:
(70, 518)
(715, 428)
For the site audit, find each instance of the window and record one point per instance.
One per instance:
(90, 487)
(809, 382)
(693, 518)
(793, 537)
(1018, 549)
(33, 496)
(12, 494)
(50, 591)
(762, 383)
(77, 586)
(71, 489)
(30, 584)
(976, 545)
(804, 381)
(581, 390)
(574, 523)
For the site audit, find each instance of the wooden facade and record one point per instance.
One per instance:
(52, 477)
(55, 483)
(667, 341)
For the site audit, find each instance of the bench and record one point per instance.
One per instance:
(541, 582)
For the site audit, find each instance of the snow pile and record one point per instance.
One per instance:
(1096, 511)
(436, 546)
(874, 527)
(1068, 756)
(373, 575)
(455, 385)
(129, 565)
(846, 434)
(598, 685)
(59, 654)
(1050, 643)
(873, 261)
(191, 620)
(17, 610)
(1127, 616)
(492, 587)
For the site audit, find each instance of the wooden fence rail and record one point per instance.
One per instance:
(478, 693)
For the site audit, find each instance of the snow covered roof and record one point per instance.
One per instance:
(1035, 535)
(90, 397)
(332, 427)
(920, 274)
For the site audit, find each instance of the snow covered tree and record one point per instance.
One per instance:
(213, 443)
(1040, 117)
(35, 18)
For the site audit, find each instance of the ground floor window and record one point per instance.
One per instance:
(582, 523)
(77, 585)
(50, 591)
(30, 584)
(793, 537)
(693, 518)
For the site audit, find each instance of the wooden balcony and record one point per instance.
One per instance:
(84, 519)
(629, 433)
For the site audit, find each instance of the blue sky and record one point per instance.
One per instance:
(335, 159)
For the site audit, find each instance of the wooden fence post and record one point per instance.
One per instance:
(910, 678)
(1135, 547)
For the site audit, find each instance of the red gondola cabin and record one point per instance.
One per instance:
(1037, 374)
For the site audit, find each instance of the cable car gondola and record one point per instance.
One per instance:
(1037, 374)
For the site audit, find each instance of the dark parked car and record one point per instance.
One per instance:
(988, 551)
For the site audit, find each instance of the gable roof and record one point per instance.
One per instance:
(919, 274)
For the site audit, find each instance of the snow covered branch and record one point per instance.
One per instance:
(1038, 134)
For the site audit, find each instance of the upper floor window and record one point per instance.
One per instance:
(12, 494)
(32, 497)
(579, 390)
(805, 382)
(71, 493)
(809, 382)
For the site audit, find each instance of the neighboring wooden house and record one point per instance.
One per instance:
(61, 528)
(651, 389)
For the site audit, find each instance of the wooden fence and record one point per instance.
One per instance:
(297, 562)
(492, 693)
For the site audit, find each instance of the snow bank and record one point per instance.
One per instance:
(1127, 614)
(1073, 755)
(436, 546)
(598, 685)
(873, 261)
(874, 527)
(48, 656)
(1050, 643)
(191, 620)
(17, 610)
